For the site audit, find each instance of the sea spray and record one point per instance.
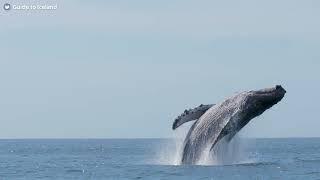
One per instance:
(235, 151)
(225, 153)
(170, 151)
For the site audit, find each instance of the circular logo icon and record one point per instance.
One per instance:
(6, 6)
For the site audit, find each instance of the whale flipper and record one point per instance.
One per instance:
(190, 115)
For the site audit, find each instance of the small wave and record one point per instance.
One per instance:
(257, 164)
(307, 160)
(313, 172)
(75, 171)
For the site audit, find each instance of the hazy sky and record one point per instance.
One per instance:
(126, 69)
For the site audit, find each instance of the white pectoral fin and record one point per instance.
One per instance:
(190, 115)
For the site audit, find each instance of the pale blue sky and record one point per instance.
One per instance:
(126, 69)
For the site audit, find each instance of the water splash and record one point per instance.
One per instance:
(170, 152)
(224, 153)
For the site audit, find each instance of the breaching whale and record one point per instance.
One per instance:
(224, 120)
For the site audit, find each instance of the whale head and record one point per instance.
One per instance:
(260, 100)
(265, 98)
(254, 104)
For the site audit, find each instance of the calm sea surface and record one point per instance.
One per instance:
(154, 159)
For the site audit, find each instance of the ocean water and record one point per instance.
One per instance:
(293, 158)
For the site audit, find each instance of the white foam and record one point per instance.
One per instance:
(224, 153)
(169, 153)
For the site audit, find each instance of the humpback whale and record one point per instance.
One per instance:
(223, 120)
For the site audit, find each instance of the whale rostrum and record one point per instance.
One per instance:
(214, 122)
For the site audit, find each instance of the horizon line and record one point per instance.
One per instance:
(137, 138)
